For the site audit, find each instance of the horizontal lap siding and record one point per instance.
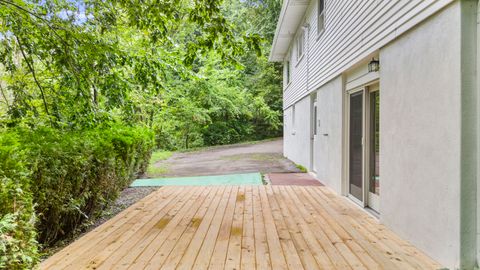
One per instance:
(353, 31)
(298, 85)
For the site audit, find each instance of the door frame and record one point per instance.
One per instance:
(373, 200)
(313, 135)
(347, 141)
(366, 89)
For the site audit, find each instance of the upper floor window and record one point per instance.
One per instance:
(287, 72)
(321, 16)
(300, 43)
(293, 119)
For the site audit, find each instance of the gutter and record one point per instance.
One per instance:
(277, 30)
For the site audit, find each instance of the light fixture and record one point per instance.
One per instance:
(374, 65)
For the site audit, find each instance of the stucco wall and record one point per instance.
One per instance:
(328, 145)
(420, 136)
(297, 138)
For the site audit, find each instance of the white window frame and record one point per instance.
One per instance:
(320, 17)
(300, 42)
(288, 73)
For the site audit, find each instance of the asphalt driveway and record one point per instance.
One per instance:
(263, 157)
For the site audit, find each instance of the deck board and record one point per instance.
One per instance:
(241, 227)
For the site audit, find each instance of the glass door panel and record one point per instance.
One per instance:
(356, 145)
(374, 184)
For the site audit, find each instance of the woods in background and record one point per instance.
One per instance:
(194, 71)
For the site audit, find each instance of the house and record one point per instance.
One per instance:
(380, 103)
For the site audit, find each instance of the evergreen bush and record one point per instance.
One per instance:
(70, 176)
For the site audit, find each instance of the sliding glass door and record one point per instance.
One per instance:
(364, 146)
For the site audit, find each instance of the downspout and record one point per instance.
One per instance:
(478, 137)
(306, 26)
(468, 134)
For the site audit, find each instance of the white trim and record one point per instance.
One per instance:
(373, 200)
(286, 11)
(368, 78)
(348, 94)
(299, 60)
(321, 15)
(313, 129)
(300, 45)
(478, 134)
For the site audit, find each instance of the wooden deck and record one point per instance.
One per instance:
(246, 227)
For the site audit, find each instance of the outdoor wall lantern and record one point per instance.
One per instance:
(374, 65)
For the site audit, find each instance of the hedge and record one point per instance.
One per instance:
(71, 177)
(18, 246)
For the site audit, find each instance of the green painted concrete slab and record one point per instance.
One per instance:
(211, 180)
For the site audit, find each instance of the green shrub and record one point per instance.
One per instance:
(18, 247)
(75, 174)
(71, 177)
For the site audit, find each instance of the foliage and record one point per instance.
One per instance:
(76, 174)
(18, 246)
(77, 63)
(301, 168)
(77, 78)
(224, 103)
(216, 108)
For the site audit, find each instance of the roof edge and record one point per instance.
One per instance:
(286, 11)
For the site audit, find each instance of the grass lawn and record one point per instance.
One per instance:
(156, 157)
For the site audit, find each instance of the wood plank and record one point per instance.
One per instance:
(221, 246)
(199, 221)
(163, 251)
(128, 243)
(178, 219)
(107, 234)
(248, 227)
(129, 235)
(318, 252)
(234, 252)
(130, 255)
(196, 249)
(425, 261)
(289, 251)
(102, 230)
(340, 255)
(275, 249)
(370, 246)
(206, 251)
(262, 255)
(248, 240)
(371, 227)
(306, 256)
(336, 233)
(353, 215)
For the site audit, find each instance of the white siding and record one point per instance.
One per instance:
(353, 31)
(298, 73)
